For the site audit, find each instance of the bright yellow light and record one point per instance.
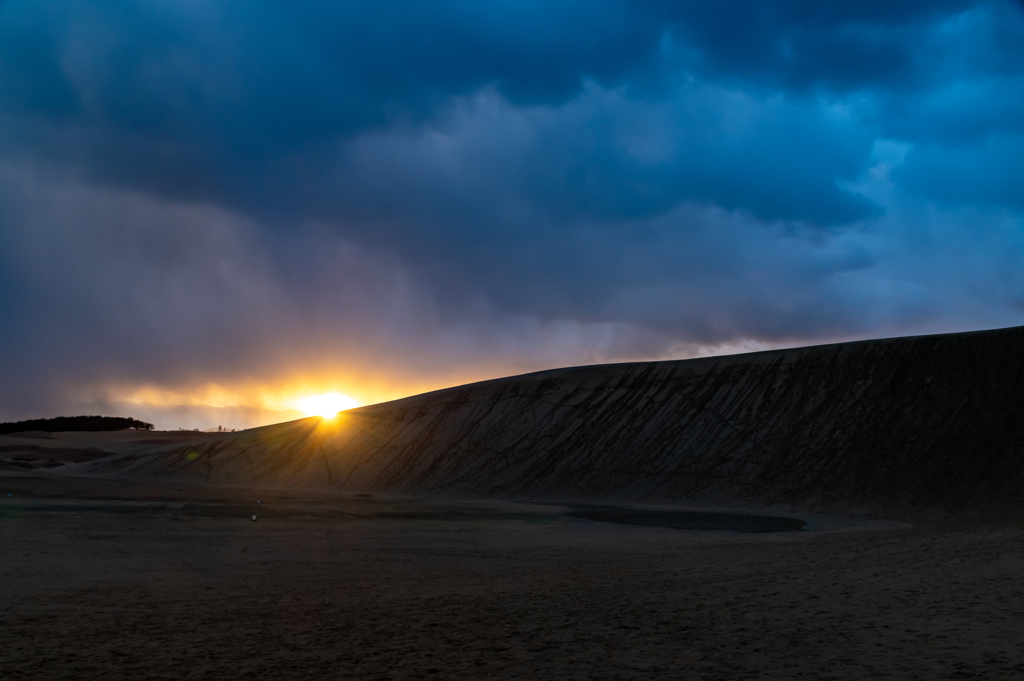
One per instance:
(327, 405)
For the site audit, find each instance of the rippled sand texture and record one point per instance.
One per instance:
(164, 595)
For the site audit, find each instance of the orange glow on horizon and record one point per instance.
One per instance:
(274, 398)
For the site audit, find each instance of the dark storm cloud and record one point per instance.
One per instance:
(801, 43)
(231, 102)
(210, 101)
(196, 189)
(536, 207)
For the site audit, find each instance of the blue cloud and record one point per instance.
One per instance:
(209, 102)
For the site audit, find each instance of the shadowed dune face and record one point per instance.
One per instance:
(892, 424)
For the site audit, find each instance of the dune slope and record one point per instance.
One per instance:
(899, 423)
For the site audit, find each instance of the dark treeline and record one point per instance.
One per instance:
(63, 424)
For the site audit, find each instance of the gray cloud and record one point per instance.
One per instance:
(240, 194)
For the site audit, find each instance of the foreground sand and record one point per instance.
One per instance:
(161, 588)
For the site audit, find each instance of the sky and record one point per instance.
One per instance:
(209, 209)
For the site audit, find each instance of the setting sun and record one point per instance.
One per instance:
(327, 405)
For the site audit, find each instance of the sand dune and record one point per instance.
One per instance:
(895, 424)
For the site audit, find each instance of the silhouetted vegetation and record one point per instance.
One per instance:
(63, 424)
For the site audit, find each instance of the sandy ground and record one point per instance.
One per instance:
(103, 579)
(33, 450)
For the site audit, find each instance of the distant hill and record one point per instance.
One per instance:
(901, 423)
(63, 424)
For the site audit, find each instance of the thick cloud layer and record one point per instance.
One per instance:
(202, 201)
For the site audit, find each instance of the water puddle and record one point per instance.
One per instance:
(690, 520)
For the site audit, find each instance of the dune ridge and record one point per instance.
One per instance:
(901, 423)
